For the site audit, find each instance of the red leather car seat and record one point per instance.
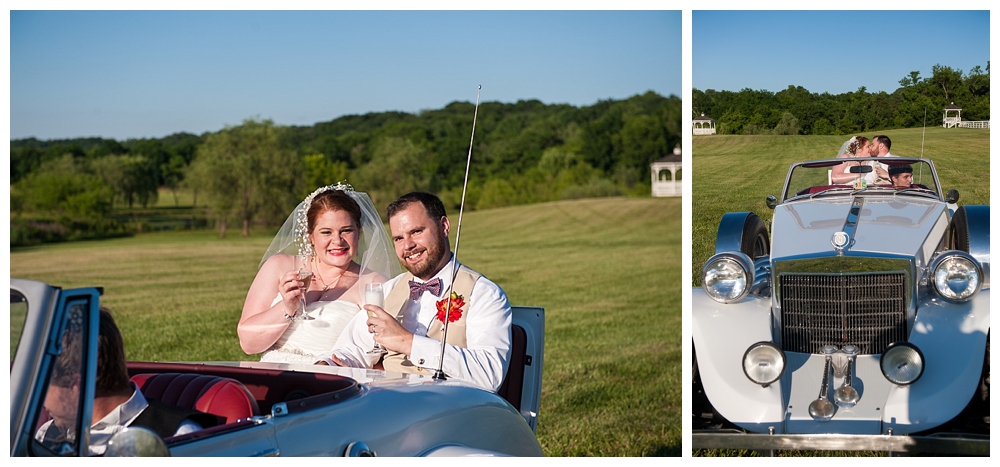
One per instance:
(226, 398)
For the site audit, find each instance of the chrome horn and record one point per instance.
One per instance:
(846, 396)
(821, 409)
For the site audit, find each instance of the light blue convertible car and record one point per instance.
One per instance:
(267, 409)
(860, 320)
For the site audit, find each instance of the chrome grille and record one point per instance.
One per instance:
(867, 310)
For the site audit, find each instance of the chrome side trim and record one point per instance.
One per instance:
(851, 223)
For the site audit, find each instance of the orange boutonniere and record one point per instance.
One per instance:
(457, 302)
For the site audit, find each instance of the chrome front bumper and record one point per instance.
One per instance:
(966, 444)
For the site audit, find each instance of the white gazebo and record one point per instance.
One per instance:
(952, 116)
(953, 119)
(703, 125)
(666, 173)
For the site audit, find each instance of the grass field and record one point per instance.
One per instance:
(607, 272)
(736, 173)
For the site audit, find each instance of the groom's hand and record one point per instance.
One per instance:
(387, 331)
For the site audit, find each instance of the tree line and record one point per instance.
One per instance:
(796, 111)
(252, 174)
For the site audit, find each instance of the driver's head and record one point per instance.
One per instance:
(63, 394)
(112, 374)
(901, 175)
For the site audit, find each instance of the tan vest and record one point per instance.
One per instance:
(399, 296)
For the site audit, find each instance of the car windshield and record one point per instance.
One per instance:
(886, 175)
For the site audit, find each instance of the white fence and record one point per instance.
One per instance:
(979, 124)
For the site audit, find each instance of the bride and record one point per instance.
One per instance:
(336, 227)
(857, 146)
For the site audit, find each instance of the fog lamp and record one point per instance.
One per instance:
(902, 363)
(763, 363)
(956, 276)
(727, 277)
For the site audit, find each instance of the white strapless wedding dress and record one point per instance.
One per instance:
(305, 339)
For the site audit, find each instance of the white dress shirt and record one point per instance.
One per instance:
(870, 177)
(483, 363)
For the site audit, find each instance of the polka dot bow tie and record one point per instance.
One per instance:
(417, 288)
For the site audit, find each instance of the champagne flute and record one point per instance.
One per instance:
(375, 296)
(303, 264)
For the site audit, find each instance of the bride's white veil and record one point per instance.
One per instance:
(375, 252)
(845, 148)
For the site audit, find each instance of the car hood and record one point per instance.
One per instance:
(886, 224)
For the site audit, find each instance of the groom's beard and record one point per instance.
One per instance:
(431, 264)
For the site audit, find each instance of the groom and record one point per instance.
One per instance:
(880, 148)
(411, 326)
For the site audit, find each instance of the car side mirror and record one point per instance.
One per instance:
(771, 201)
(951, 196)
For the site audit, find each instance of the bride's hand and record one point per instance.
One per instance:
(290, 288)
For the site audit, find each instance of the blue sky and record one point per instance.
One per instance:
(832, 51)
(143, 74)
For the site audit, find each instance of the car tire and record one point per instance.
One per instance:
(754, 242)
(701, 408)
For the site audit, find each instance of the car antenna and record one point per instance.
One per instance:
(439, 373)
(922, 134)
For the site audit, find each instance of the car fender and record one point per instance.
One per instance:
(952, 338)
(722, 333)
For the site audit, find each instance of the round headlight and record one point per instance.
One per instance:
(956, 276)
(902, 363)
(727, 277)
(763, 363)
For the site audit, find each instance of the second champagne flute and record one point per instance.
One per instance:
(375, 296)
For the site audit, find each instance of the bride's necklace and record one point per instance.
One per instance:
(325, 285)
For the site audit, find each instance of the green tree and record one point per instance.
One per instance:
(393, 171)
(600, 138)
(642, 140)
(823, 127)
(946, 80)
(320, 171)
(172, 172)
(910, 80)
(789, 125)
(248, 174)
(133, 177)
(63, 187)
